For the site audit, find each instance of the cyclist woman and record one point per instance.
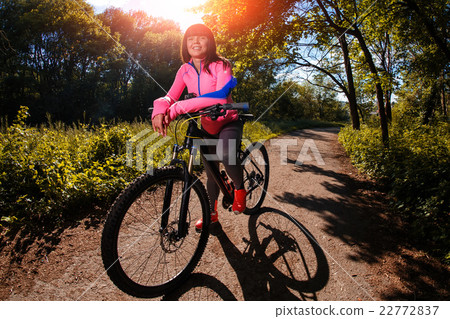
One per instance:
(207, 76)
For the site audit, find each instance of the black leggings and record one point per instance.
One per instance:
(226, 145)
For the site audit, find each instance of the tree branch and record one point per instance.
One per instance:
(330, 75)
(324, 86)
(331, 22)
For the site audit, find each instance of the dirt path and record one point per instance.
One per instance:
(344, 246)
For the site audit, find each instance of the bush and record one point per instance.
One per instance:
(49, 171)
(257, 132)
(416, 170)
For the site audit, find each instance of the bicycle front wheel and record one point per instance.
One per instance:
(142, 251)
(255, 163)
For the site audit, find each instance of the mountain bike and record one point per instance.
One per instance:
(149, 243)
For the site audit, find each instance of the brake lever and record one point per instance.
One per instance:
(217, 112)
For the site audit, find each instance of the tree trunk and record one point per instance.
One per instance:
(380, 97)
(361, 114)
(379, 89)
(388, 106)
(444, 102)
(386, 62)
(443, 95)
(431, 102)
(351, 86)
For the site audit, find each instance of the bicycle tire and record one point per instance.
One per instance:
(140, 257)
(255, 163)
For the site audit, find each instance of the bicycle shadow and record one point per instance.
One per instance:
(203, 287)
(281, 261)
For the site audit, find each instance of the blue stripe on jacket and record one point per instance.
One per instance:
(223, 92)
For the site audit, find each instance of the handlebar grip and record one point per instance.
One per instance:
(236, 106)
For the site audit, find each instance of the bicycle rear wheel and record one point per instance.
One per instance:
(255, 163)
(141, 250)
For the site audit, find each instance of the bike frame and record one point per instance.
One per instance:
(227, 188)
(193, 132)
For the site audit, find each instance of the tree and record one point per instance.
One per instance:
(346, 11)
(55, 57)
(423, 33)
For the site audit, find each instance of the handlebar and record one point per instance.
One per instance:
(236, 106)
(217, 110)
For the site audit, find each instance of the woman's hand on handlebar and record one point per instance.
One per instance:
(160, 124)
(167, 119)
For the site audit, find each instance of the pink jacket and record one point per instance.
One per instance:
(211, 89)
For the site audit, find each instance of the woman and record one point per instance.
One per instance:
(208, 76)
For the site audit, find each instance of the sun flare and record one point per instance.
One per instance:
(176, 10)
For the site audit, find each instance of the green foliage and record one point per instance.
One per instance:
(49, 171)
(257, 132)
(415, 168)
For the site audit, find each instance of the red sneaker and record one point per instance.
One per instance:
(239, 203)
(214, 219)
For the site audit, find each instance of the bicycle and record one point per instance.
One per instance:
(149, 243)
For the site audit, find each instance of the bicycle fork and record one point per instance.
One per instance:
(187, 185)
